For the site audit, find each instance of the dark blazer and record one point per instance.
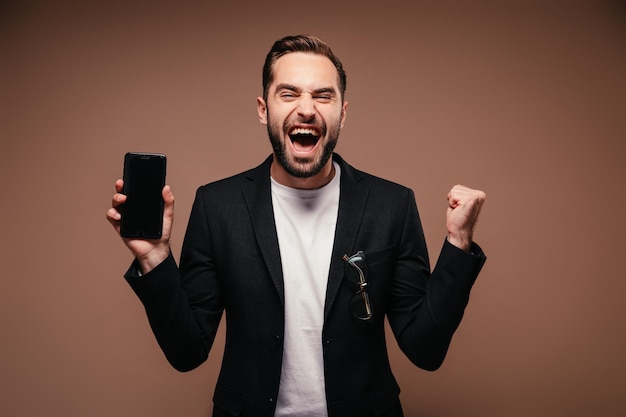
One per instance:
(230, 261)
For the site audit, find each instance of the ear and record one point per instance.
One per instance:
(261, 108)
(344, 109)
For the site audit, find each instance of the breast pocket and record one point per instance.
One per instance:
(371, 274)
(380, 265)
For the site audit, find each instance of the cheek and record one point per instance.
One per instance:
(275, 123)
(276, 116)
(336, 119)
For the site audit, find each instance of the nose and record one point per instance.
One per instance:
(306, 107)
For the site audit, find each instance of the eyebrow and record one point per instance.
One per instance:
(285, 86)
(324, 90)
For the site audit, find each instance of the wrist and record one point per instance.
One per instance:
(461, 241)
(152, 259)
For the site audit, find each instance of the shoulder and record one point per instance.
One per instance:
(354, 178)
(235, 183)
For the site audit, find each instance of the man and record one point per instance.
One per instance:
(306, 255)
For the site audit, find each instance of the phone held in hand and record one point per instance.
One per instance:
(144, 179)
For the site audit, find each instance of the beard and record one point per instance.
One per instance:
(302, 167)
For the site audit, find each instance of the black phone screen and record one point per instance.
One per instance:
(144, 179)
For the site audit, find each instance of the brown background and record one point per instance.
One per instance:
(525, 100)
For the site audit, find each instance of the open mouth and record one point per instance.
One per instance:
(304, 139)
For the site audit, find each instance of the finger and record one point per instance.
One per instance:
(119, 185)
(454, 197)
(114, 216)
(118, 199)
(168, 196)
(460, 194)
(168, 199)
(453, 203)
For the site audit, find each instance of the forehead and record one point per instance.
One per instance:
(305, 70)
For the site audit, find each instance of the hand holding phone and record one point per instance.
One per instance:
(148, 252)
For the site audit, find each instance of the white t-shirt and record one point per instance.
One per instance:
(305, 223)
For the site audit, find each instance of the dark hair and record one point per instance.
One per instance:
(300, 43)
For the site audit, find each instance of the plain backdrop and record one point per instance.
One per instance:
(523, 99)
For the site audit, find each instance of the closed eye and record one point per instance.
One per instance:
(324, 94)
(323, 98)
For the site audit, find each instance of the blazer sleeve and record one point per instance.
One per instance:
(183, 305)
(426, 308)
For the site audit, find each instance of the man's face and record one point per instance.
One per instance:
(303, 113)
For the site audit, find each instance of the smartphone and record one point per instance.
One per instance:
(144, 179)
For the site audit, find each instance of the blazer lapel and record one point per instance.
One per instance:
(352, 200)
(258, 196)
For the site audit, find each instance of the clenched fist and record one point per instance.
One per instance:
(464, 205)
